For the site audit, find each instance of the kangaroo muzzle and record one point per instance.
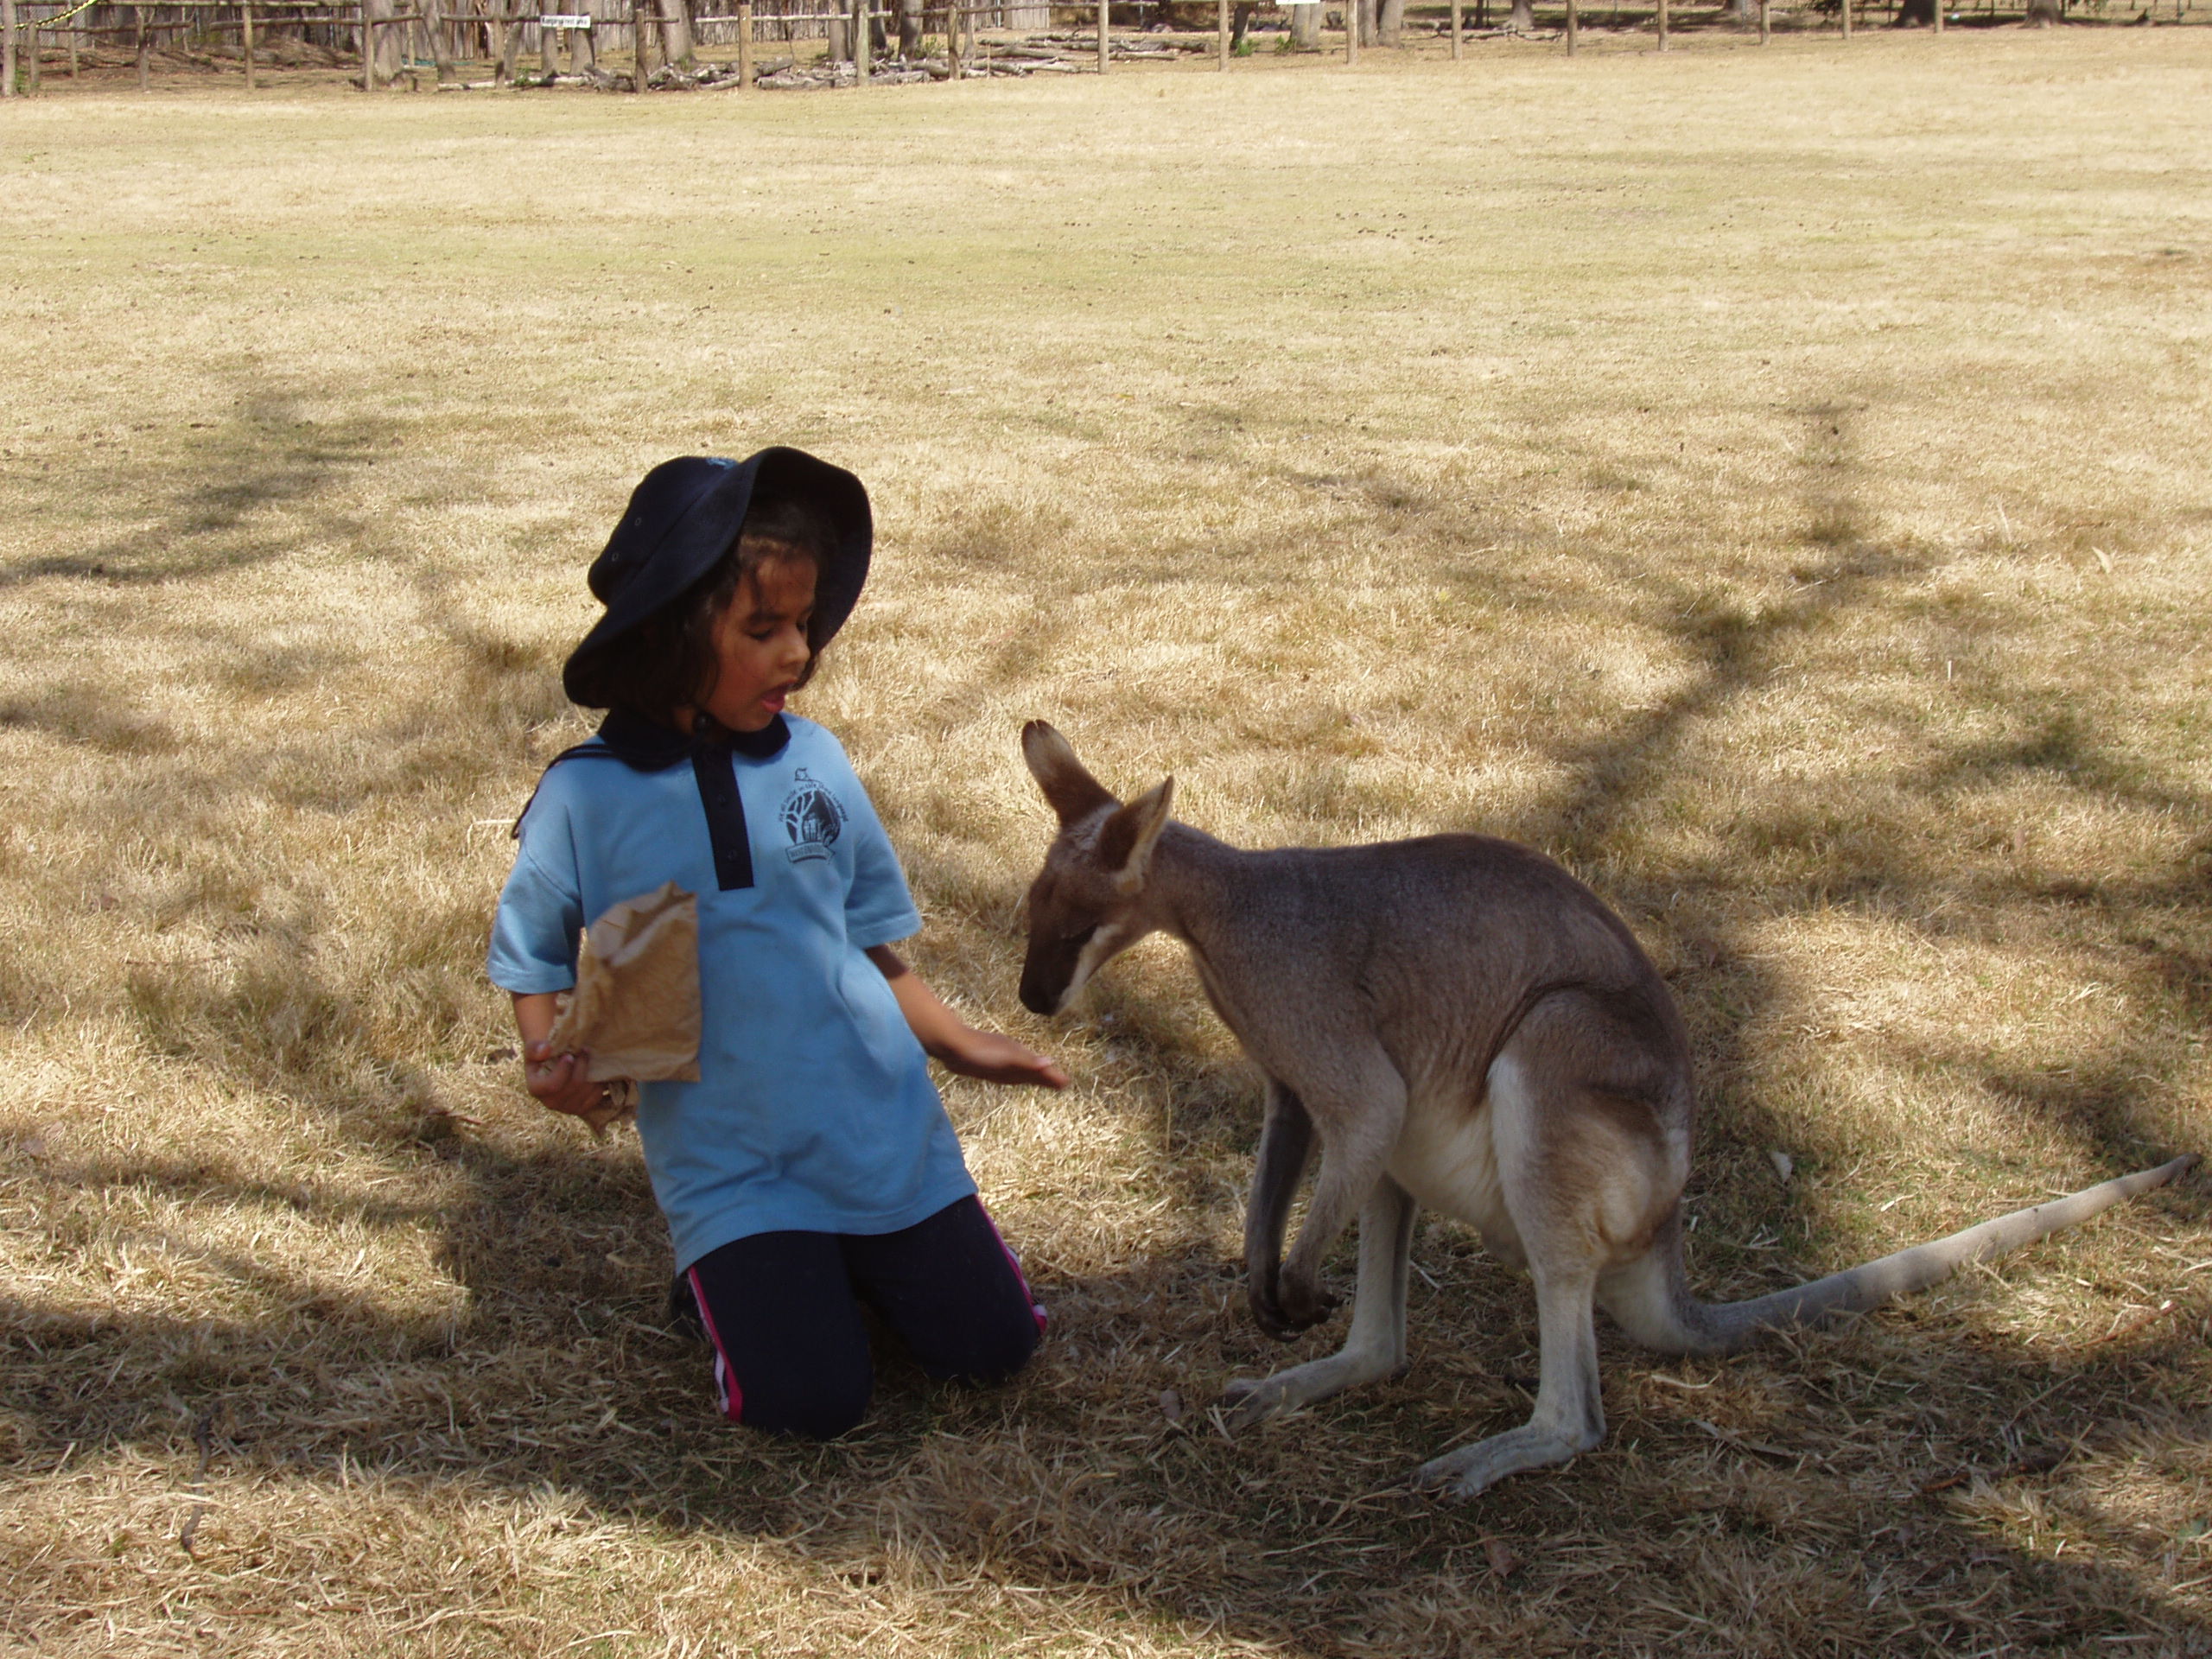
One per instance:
(1052, 970)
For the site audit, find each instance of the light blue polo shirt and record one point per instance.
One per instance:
(814, 1108)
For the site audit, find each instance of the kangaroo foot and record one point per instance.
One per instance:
(1474, 1469)
(1253, 1400)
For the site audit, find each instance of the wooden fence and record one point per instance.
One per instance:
(395, 38)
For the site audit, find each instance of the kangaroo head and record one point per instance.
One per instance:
(1087, 903)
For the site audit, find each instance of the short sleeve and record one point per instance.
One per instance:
(534, 931)
(878, 906)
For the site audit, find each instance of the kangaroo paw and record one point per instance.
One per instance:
(1303, 1304)
(1266, 1310)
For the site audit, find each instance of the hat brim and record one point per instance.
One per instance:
(708, 525)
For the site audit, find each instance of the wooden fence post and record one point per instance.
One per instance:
(73, 51)
(1221, 36)
(145, 52)
(1662, 23)
(1456, 31)
(1351, 32)
(641, 32)
(7, 48)
(245, 49)
(744, 44)
(863, 42)
(1766, 32)
(1101, 36)
(1845, 8)
(1573, 28)
(1937, 13)
(30, 44)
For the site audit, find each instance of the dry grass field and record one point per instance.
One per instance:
(1776, 483)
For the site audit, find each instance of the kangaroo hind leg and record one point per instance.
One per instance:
(1375, 1345)
(1584, 1172)
(1568, 1416)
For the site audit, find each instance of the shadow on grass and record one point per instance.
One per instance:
(1848, 1457)
(204, 498)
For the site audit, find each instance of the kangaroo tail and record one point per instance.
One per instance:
(1676, 1321)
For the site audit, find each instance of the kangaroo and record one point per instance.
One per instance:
(1459, 1023)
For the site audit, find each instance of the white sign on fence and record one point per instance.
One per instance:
(565, 20)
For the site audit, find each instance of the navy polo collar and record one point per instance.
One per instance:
(645, 745)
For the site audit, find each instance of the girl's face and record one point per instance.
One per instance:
(760, 648)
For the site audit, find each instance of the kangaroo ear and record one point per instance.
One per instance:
(1068, 789)
(1126, 839)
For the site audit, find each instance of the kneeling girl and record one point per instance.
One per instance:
(812, 1167)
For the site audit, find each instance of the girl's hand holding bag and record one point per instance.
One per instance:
(635, 1009)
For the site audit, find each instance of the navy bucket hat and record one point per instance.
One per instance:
(686, 513)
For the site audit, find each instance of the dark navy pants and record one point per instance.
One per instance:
(782, 1313)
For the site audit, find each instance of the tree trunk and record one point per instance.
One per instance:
(433, 25)
(2043, 13)
(1390, 22)
(584, 43)
(841, 37)
(510, 33)
(387, 41)
(676, 33)
(1522, 19)
(1305, 27)
(910, 30)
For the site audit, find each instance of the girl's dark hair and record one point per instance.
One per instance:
(668, 661)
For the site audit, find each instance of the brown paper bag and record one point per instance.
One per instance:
(636, 1005)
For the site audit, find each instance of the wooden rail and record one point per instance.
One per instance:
(24, 30)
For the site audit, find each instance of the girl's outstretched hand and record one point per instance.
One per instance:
(957, 1046)
(993, 1057)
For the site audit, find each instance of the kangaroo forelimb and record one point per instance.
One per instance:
(1357, 1102)
(1285, 1147)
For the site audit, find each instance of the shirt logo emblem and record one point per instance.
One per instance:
(812, 818)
